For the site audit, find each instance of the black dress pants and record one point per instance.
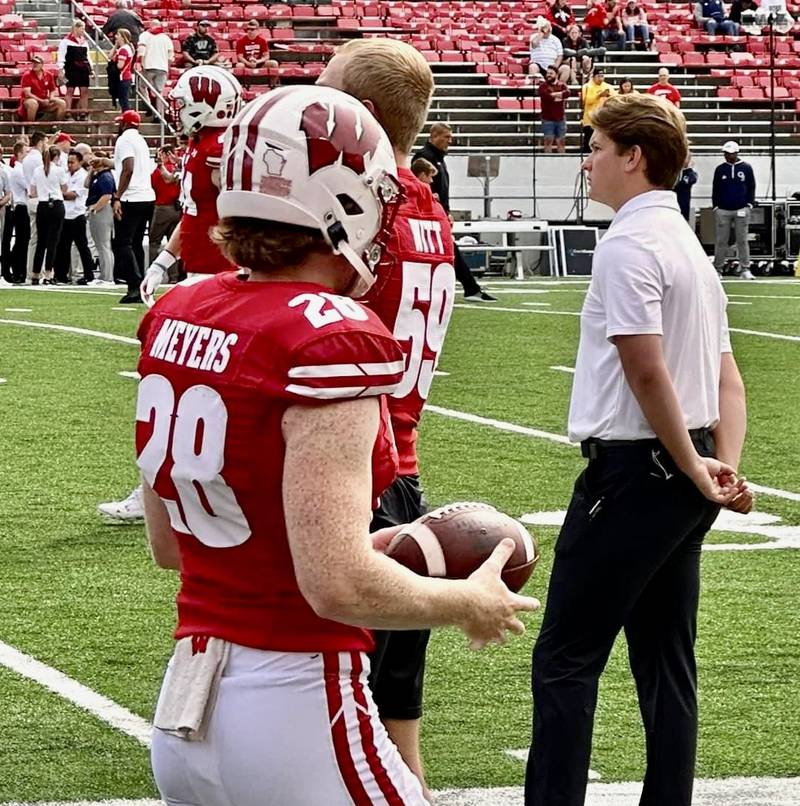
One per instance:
(464, 275)
(5, 247)
(49, 221)
(627, 557)
(129, 243)
(74, 231)
(397, 664)
(22, 238)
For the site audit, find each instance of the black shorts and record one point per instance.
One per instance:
(398, 661)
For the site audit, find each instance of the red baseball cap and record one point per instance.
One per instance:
(63, 137)
(129, 116)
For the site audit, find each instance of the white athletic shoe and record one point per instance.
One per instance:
(130, 510)
(747, 275)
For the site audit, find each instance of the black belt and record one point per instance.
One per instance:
(592, 448)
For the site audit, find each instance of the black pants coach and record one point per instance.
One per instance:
(465, 276)
(74, 232)
(129, 243)
(397, 666)
(628, 557)
(5, 247)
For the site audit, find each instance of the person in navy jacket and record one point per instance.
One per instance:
(733, 195)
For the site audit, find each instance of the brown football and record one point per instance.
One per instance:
(451, 542)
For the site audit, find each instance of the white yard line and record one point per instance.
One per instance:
(19, 310)
(80, 331)
(779, 336)
(764, 296)
(738, 302)
(514, 428)
(133, 375)
(560, 368)
(71, 690)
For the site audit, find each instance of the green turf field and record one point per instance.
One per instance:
(84, 598)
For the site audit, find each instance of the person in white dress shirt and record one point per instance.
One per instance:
(74, 229)
(658, 406)
(48, 187)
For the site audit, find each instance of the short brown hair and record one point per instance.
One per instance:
(653, 124)
(266, 245)
(423, 166)
(398, 81)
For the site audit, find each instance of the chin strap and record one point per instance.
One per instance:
(364, 278)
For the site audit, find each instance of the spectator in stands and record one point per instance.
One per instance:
(634, 21)
(424, 170)
(75, 68)
(48, 188)
(123, 55)
(123, 17)
(6, 208)
(579, 55)
(554, 94)
(733, 194)
(613, 33)
(593, 95)
(200, 47)
(683, 190)
(435, 150)
(710, 15)
(22, 223)
(560, 16)
(252, 49)
(74, 228)
(156, 54)
(594, 22)
(663, 89)
(625, 87)
(39, 94)
(746, 7)
(165, 180)
(102, 188)
(133, 201)
(546, 51)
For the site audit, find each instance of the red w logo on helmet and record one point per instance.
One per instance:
(205, 89)
(350, 138)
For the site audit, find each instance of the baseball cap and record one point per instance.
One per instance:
(731, 147)
(253, 24)
(35, 57)
(203, 22)
(129, 116)
(63, 137)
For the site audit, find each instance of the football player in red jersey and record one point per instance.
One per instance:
(263, 441)
(413, 296)
(203, 102)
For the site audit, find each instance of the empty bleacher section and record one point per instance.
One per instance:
(478, 52)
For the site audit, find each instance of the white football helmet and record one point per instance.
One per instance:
(314, 157)
(205, 96)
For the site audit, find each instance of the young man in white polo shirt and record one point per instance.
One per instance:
(656, 396)
(133, 202)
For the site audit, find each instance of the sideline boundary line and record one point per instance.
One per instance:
(82, 696)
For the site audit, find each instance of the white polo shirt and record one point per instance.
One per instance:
(649, 276)
(74, 208)
(19, 185)
(48, 185)
(547, 51)
(131, 144)
(33, 159)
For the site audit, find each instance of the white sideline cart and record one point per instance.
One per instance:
(505, 234)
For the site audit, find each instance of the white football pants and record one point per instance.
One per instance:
(288, 729)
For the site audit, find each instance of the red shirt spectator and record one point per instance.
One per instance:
(553, 107)
(252, 49)
(167, 193)
(41, 85)
(663, 89)
(125, 58)
(39, 93)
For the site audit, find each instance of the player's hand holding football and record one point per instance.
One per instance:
(494, 608)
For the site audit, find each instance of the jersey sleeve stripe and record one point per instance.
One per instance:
(326, 393)
(347, 370)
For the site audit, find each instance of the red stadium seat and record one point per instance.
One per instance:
(753, 93)
(727, 92)
(510, 104)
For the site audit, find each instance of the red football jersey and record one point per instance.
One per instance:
(222, 359)
(667, 92)
(414, 296)
(202, 157)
